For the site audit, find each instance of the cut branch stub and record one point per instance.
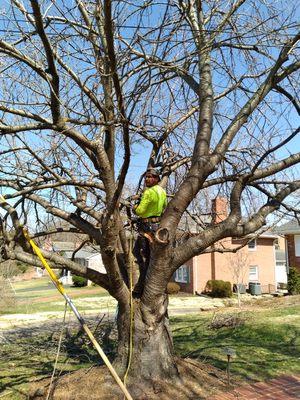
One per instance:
(162, 236)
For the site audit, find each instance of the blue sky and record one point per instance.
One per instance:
(141, 153)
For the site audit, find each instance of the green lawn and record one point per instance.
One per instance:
(36, 288)
(40, 295)
(266, 345)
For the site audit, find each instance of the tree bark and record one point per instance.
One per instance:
(152, 346)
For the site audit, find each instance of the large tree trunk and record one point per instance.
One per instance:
(152, 347)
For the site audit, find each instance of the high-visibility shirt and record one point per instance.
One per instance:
(153, 202)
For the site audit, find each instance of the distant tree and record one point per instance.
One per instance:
(206, 91)
(238, 264)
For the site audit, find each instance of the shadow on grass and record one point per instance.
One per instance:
(29, 354)
(263, 350)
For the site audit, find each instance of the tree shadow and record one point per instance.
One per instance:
(262, 350)
(28, 354)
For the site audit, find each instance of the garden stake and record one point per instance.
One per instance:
(228, 370)
(87, 330)
(230, 353)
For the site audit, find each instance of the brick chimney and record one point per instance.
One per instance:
(219, 209)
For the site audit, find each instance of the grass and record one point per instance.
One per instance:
(40, 295)
(28, 354)
(267, 345)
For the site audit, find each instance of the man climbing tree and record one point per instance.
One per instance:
(205, 91)
(149, 209)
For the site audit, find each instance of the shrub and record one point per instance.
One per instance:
(173, 288)
(79, 281)
(293, 285)
(227, 320)
(218, 288)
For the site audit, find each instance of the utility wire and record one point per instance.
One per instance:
(182, 29)
(69, 36)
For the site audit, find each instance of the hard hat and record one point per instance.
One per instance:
(153, 172)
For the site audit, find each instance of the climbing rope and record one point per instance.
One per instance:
(87, 330)
(131, 328)
(58, 352)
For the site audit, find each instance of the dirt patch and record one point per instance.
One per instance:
(197, 381)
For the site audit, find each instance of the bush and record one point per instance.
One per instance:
(218, 288)
(173, 288)
(79, 281)
(293, 285)
(227, 320)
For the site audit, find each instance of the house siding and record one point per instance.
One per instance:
(95, 262)
(217, 266)
(204, 271)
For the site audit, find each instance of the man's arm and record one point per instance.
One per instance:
(142, 207)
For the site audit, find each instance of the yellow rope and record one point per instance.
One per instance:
(58, 352)
(61, 289)
(79, 317)
(131, 329)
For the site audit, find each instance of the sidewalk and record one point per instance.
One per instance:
(283, 388)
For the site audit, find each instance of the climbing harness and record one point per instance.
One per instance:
(61, 289)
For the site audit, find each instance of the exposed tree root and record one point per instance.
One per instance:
(197, 381)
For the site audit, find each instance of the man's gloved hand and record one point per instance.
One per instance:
(134, 197)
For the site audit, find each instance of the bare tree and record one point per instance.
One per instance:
(207, 89)
(238, 264)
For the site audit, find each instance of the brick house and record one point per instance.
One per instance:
(291, 232)
(261, 260)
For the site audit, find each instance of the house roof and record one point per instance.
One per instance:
(268, 235)
(193, 223)
(63, 246)
(290, 227)
(81, 254)
(69, 247)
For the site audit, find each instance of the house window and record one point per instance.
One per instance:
(252, 244)
(297, 245)
(182, 275)
(253, 273)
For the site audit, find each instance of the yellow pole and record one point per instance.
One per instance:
(92, 338)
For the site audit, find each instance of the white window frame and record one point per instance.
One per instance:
(253, 277)
(182, 274)
(297, 245)
(252, 248)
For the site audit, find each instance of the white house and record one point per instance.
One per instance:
(87, 256)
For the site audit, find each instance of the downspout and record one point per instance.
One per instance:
(275, 265)
(213, 265)
(195, 274)
(286, 254)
